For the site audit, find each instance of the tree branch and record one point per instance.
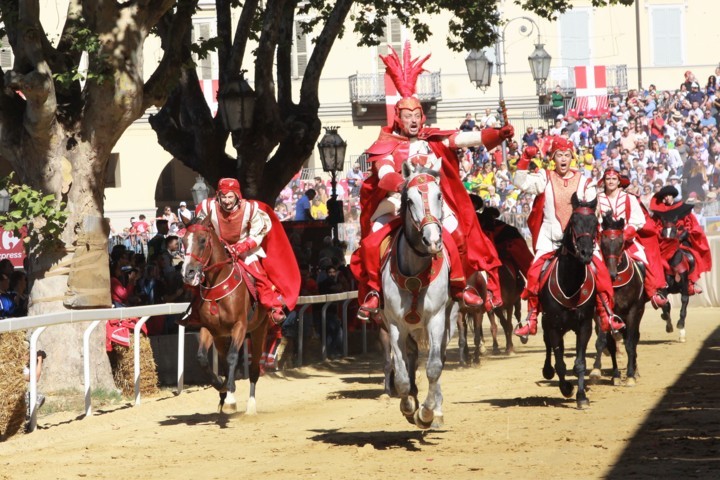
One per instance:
(284, 56)
(266, 48)
(224, 29)
(174, 29)
(330, 32)
(242, 33)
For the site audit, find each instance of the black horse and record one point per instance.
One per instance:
(568, 298)
(628, 281)
(681, 264)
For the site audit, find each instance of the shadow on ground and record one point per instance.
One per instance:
(381, 440)
(681, 436)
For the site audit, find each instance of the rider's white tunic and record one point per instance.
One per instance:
(617, 205)
(551, 231)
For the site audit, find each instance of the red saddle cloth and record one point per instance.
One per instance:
(576, 299)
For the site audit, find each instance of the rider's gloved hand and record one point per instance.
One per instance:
(629, 235)
(242, 247)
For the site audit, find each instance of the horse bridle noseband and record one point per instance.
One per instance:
(575, 237)
(421, 182)
(208, 249)
(613, 234)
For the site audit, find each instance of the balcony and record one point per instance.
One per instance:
(369, 89)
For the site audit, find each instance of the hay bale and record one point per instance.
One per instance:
(13, 357)
(124, 371)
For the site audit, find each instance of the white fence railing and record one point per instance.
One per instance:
(40, 322)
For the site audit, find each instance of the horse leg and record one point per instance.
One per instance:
(388, 388)
(612, 347)
(493, 331)
(398, 342)
(601, 342)
(479, 339)
(505, 315)
(548, 371)
(463, 350)
(665, 315)
(232, 354)
(632, 339)
(433, 369)
(684, 299)
(412, 350)
(257, 340)
(581, 343)
(558, 347)
(205, 341)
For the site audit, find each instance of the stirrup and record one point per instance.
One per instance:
(369, 307)
(611, 321)
(278, 315)
(470, 298)
(658, 300)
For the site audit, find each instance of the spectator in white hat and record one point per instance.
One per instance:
(184, 215)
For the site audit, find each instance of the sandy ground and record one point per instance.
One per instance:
(502, 420)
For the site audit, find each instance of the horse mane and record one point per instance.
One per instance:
(608, 223)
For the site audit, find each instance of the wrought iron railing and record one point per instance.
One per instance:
(615, 76)
(370, 88)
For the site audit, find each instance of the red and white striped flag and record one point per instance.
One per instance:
(210, 89)
(591, 90)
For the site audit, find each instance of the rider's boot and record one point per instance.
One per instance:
(609, 322)
(530, 327)
(369, 307)
(491, 302)
(190, 318)
(659, 299)
(693, 288)
(277, 314)
(468, 297)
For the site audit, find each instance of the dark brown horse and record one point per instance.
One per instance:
(225, 310)
(628, 281)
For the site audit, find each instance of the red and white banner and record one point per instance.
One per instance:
(210, 89)
(12, 248)
(391, 98)
(591, 90)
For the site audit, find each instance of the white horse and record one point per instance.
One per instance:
(418, 307)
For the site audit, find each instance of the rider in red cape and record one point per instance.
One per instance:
(255, 238)
(690, 234)
(550, 215)
(639, 246)
(408, 141)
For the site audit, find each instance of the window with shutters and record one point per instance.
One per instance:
(666, 35)
(6, 55)
(207, 68)
(300, 50)
(112, 171)
(574, 28)
(393, 35)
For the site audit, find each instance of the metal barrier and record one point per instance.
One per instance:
(40, 322)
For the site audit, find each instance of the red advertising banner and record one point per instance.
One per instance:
(12, 248)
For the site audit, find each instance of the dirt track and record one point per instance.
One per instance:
(502, 420)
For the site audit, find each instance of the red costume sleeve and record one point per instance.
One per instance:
(698, 244)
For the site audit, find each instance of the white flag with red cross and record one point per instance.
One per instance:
(591, 90)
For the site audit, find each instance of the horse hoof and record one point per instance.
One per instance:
(681, 339)
(510, 352)
(669, 328)
(665, 316)
(617, 381)
(438, 421)
(228, 408)
(583, 404)
(630, 382)
(595, 376)
(419, 422)
(251, 408)
(524, 339)
(496, 350)
(548, 372)
(483, 349)
(408, 406)
(566, 388)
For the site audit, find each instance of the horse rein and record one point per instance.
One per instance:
(208, 249)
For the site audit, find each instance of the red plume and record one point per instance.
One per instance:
(404, 75)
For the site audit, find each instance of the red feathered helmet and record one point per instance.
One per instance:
(529, 152)
(561, 144)
(404, 75)
(226, 185)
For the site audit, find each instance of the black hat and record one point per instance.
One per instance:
(665, 191)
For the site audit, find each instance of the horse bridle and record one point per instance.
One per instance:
(575, 236)
(421, 182)
(205, 259)
(613, 234)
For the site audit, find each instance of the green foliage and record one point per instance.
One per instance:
(41, 217)
(204, 46)
(85, 40)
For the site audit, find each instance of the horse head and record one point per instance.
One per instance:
(669, 228)
(581, 230)
(612, 241)
(202, 250)
(422, 210)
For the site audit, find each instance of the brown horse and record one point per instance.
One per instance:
(224, 307)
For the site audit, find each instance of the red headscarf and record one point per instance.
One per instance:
(561, 144)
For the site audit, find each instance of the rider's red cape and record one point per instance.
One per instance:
(280, 263)
(681, 211)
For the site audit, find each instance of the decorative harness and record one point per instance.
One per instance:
(226, 286)
(625, 275)
(551, 273)
(420, 281)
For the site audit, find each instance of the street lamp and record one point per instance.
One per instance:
(236, 103)
(332, 155)
(4, 200)
(480, 67)
(200, 190)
